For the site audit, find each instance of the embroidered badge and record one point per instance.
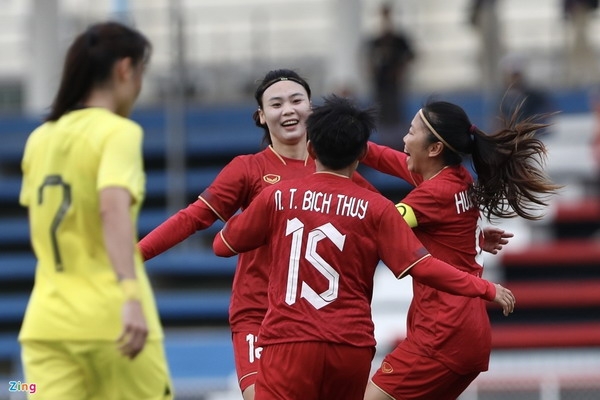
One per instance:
(271, 178)
(386, 368)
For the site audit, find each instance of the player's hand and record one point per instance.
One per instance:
(135, 331)
(494, 239)
(505, 298)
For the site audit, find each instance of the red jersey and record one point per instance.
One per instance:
(326, 236)
(238, 183)
(452, 329)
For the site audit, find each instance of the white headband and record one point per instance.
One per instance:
(437, 135)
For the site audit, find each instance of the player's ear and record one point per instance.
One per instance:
(123, 68)
(261, 116)
(311, 150)
(435, 149)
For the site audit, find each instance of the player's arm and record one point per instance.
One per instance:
(245, 231)
(119, 238)
(408, 214)
(389, 161)
(429, 270)
(177, 228)
(220, 200)
(442, 276)
(494, 238)
(242, 233)
(221, 247)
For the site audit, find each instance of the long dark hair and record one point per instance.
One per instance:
(509, 163)
(90, 59)
(271, 78)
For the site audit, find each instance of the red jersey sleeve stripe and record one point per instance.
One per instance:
(227, 244)
(221, 248)
(212, 208)
(407, 270)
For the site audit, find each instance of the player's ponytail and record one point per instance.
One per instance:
(90, 59)
(510, 171)
(509, 163)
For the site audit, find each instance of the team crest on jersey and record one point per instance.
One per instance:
(386, 368)
(271, 178)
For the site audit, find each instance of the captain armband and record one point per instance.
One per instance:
(408, 214)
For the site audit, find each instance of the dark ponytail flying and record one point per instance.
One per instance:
(509, 163)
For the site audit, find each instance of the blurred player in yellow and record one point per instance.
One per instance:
(91, 329)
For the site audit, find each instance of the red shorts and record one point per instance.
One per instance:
(313, 370)
(246, 355)
(407, 376)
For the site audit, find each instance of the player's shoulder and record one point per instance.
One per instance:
(250, 159)
(112, 119)
(449, 180)
(374, 197)
(99, 122)
(40, 137)
(39, 133)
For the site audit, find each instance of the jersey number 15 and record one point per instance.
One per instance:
(327, 231)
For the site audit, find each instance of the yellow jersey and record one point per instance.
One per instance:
(66, 163)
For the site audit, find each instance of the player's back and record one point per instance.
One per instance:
(62, 166)
(65, 165)
(325, 238)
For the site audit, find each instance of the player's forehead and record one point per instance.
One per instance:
(284, 90)
(417, 123)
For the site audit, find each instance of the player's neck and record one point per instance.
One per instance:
(347, 171)
(101, 98)
(295, 152)
(432, 174)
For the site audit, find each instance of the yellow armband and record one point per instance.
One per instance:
(408, 214)
(131, 289)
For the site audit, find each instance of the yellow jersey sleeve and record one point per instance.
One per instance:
(121, 163)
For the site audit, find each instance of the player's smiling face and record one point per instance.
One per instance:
(416, 145)
(286, 107)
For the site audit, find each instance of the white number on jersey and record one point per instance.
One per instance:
(326, 231)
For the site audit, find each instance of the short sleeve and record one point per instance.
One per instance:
(121, 162)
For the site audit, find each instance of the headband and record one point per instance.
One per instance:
(285, 78)
(437, 135)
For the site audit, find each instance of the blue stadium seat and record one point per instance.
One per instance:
(192, 305)
(15, 230)
(12, 307)
(200, 354)
(173, 305)
(17, 266)
(9, 346)
(197, 180)
(10, 187)
(191, 264)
